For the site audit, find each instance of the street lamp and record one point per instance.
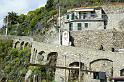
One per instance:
(7, 26)
(59, 27)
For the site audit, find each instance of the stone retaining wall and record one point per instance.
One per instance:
(95, 38)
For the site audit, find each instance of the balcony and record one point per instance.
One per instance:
(88, 19)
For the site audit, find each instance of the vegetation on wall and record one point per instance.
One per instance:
(13, 62)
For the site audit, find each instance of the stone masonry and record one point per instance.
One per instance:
(92, 59)
(87, 57)
(94, 39)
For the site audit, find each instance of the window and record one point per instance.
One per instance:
(122, 72)
(72, 18)
(67, 16)
(79, 15)
(70, 26)
(99, 75)
(92, 13)
(84, 15)
(79, 26)
(86, 25)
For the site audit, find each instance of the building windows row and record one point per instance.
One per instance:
(72, 16)
(82, 15)
(79, 26)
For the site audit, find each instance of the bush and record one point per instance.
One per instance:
(13, 62)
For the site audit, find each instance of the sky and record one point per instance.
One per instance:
(18, 6)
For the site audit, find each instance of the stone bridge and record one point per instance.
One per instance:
(19, 41)
(57, 55)
(95, 60)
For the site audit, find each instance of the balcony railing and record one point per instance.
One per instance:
(86, 19)
(89, 17)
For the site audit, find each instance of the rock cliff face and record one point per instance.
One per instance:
(51, 36)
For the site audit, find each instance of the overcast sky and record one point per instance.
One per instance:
(18, 6)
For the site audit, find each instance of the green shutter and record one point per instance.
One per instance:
(79, 26)
(86, 25)
(72, 18)
(67, 16)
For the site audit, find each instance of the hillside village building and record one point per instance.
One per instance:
(86, 18)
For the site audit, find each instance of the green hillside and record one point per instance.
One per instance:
(36, 21)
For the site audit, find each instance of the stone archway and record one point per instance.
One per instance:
(74, 74)
(102, 65)
(39, 57)
(52, 58)
(17, 44)
(27, 44)
(51, 61)
(22, 45)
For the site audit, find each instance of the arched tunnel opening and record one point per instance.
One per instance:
(17, 44)
(27, 45)
(74, 74)
(102, 65)
(40, 57)
(21, 45)
(48, 73)
(52, 60)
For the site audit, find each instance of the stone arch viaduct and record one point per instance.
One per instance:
(95, 60)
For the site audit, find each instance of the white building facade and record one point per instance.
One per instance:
(84, 19)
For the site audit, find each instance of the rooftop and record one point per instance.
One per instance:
(83, 9)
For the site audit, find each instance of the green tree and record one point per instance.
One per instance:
(49, 4)
(21, 18)
(13, 62)
(12, 18)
